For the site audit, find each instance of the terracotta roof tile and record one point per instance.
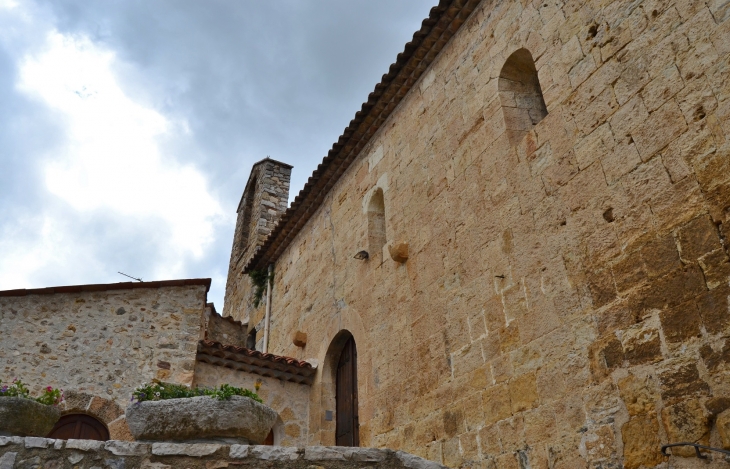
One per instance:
(444, 20)
(253, 361)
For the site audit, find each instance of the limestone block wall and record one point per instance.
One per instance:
(289, 400)
(565, 302)
(100, 342)
(225, 330)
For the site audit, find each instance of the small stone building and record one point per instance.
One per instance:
(516, 253)
(99, 342)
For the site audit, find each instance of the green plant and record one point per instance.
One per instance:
(160, 391)
(259, 278)
(50, 396)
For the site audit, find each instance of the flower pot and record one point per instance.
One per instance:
(237, 419)
(24, 417)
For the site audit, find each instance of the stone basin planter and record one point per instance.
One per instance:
(201, 418)
(24, 417)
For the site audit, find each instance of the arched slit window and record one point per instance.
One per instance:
(376, 223)
(520, 95)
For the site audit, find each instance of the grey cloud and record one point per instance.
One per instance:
(251, 79)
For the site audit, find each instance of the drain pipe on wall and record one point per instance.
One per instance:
(267, 319)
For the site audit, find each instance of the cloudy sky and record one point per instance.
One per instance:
(128, 127)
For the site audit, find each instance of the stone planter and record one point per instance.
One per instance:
(25, 417)
(238, 419)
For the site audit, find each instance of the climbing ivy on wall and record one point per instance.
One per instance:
(259, 279)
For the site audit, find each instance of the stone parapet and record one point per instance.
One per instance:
(16, 452)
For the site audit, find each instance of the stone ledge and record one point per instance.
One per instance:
(18, 452)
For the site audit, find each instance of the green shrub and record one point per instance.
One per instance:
(161, 391)
(17, 388)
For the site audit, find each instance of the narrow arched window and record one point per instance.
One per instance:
(520, 95)
(376, 223)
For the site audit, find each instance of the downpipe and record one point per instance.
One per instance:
(267, 319)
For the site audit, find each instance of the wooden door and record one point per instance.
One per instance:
(79, 427)
(347, 433)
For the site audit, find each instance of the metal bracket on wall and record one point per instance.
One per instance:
(696, 447)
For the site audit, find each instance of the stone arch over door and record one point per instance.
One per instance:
(79, 427)
(106, 411)
(340, 392)
(321, 429)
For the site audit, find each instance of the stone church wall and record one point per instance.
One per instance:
(565, 299)
(98, 344)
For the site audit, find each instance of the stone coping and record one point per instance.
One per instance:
(107, 287)
(16, 452)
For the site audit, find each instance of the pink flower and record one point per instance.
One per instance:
(49, 389)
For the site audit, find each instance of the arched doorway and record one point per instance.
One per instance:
(347, 430)
(79, 427)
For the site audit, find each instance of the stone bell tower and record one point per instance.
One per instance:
(264, 200)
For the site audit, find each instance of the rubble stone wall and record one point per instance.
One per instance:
(98, 346)
(565, 299)
(223, 329)
(18, 453)
(289, 400)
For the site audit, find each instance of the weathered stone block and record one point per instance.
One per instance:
(713, 359)
(639, 394)
(641, 344)
(680, 380)
(197, 450)
(126, 448)
(85, 445)
(660, 256)
(681, 323)
(698, 238)
(523, 392)
(714, 309)
(639, 434)
(663, 125)
(274, 453)
(606, 354)
(723, 428)
(671, 290)
(716, 267)
(686, 421)
(496, 403)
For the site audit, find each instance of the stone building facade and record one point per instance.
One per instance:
(553, 178)
(99, 342)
